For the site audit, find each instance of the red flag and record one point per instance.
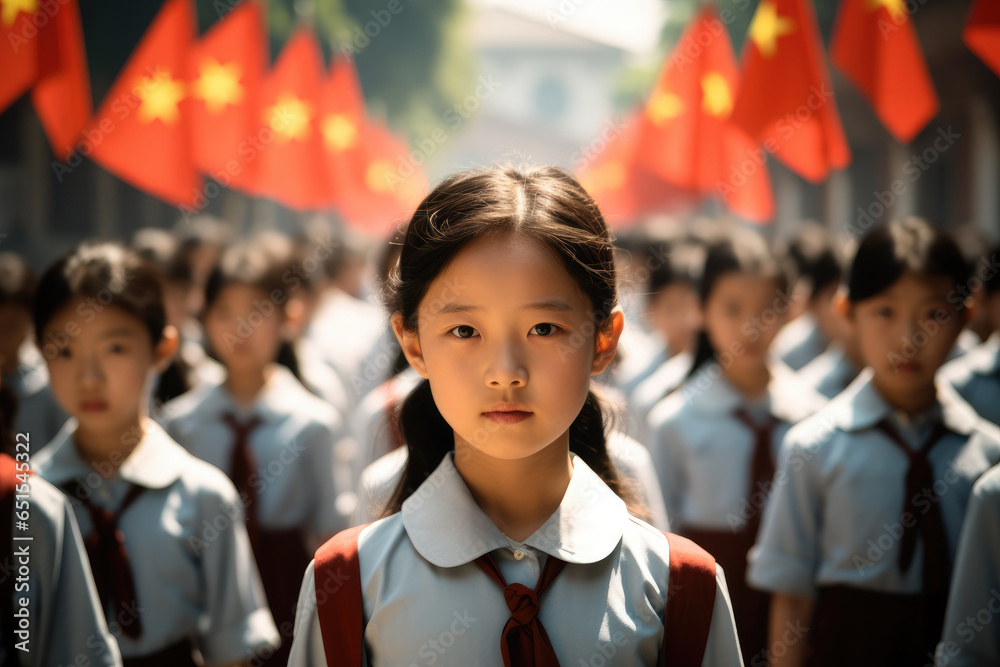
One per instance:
(876, 47)
(62, 97)
(982, 32)
(24, 46)
(786, 100)
(622, 187)
(289, 164)
(141, 131)
(373, 181)
(225, 68)
(688, 137)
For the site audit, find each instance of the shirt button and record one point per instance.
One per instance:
(518, 554)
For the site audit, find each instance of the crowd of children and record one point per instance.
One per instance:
(262, 451)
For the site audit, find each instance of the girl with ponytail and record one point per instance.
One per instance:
(508, 542)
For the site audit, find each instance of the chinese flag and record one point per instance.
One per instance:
(876, 47)
(62, 95)
(27, 52)
(141, 130)
(289, 155)
(225, 68)
(785, 100)
(341, 120)
(622, 187)
(688, 137)
(982, 32)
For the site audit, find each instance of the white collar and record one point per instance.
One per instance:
(448, 528)
(155, 463)
(788, 398)
(281, 394)
(984, 359)
(861, 406)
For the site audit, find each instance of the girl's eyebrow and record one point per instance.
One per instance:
(552, 304)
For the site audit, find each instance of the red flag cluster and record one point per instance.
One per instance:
(184, 106)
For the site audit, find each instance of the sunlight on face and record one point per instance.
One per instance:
(243, 326)
(507, 340)
(742, 316)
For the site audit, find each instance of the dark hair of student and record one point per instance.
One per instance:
(163, 251)
(108, 273)
(813, 257)
(543, 204)
(739, 251)
(17, 280)
(912, 245)
(991, 281)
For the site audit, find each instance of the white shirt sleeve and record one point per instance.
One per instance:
(723, 646)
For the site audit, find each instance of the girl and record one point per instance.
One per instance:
(524, 510)
(714, 440)
(862, 526)
(260, 426)
(164, 531)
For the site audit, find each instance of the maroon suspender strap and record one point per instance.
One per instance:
(690, 603)
(339, 605)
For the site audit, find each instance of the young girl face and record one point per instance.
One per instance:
(507, 339)
(243, 327)
(742, 316)
(99, 363)
(906, 331)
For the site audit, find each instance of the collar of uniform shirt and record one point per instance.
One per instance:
(448, 528)
(861, 406)
(788, 398)
(984, 359)
(156, 462)
(277, 398)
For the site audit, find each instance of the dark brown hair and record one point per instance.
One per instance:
(543, 204)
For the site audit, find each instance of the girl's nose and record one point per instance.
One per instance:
(506, 368)
(91, 372)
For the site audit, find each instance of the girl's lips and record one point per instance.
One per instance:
(93, 406)
(511, 417)
(907, 367)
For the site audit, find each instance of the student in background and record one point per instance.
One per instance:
(860, 533)
(164, 531)
(715, 440)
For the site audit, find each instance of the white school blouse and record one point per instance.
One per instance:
(834, 515)
(661, 382)
(799, 342)
(297, 450)
(972, 623)
(64, 611)
(702, 451)
(976, 376)
(830, 373)
(378, 480)
(426, 602)
(38, 413)
(193, 570)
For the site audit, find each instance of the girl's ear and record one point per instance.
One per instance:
(295, 310)
(970, 311)
(607, 342)
(166, 348)
(410, 344)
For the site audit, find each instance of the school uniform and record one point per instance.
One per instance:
(372, 424)
(63, 610)
(976, 377)
(38, 413)
(972, 622)
(282, 454)
(378, 480)
(714, 453)
(193, 579)
(642, 352)
(665, 379)
(319, 378)
(425, 598)
(799, 342)
(830, 373)
(833, 529)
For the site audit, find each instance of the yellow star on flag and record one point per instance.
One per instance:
(289, 118)
(717, 99)
(11, 8)
(664, 106)
(768, 26)
(896, 8)
(160, 96)
(219, 85)
(339, 132)
(378, 176)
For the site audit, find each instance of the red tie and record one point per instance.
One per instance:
(523, 642)
(241, 466)
(109, 559)
(929, 523)
(762, 466)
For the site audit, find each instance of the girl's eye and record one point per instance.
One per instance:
(544, 329)
(938, 315)
(115, 348)
(63, 352)
(884, 311)
(463, 331)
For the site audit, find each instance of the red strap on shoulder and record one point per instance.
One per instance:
(690, 602)
(339, 605)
